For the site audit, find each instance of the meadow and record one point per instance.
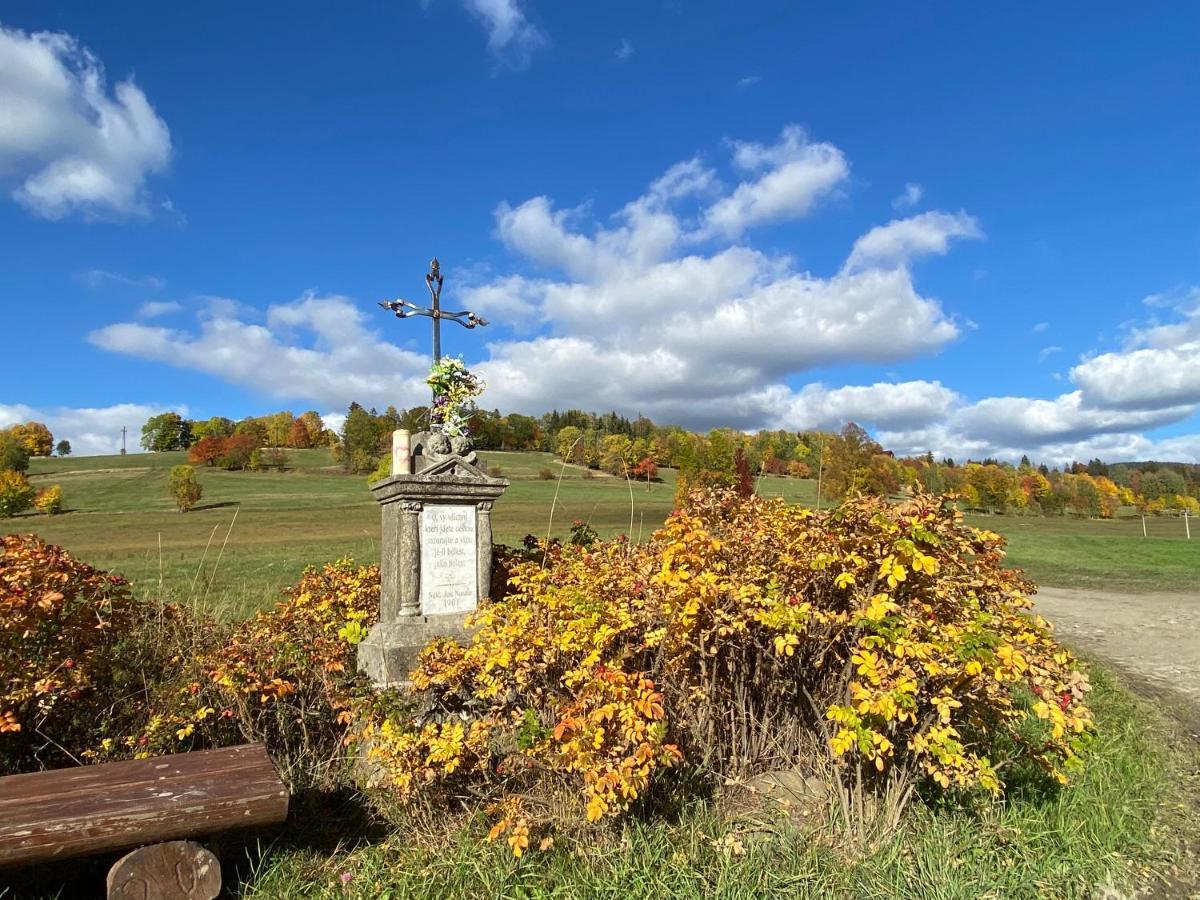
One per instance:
(254, 532)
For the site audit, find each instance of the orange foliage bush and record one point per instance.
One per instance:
(61, 623)
(89, 672)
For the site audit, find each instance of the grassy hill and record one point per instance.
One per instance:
(253, 532)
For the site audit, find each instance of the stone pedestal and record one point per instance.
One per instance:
(436, 560)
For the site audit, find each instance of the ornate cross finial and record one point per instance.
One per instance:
(433, 280)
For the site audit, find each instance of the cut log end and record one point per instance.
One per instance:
(175, 870)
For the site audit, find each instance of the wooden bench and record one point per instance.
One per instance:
(114, 806)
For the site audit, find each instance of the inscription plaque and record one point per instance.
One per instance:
(448, 559)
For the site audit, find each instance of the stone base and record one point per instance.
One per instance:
(390, 650)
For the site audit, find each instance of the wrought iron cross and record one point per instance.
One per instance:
(403, 310)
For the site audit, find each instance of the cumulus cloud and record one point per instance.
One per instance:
(315, 349)
(1159, 366)
(1026, 422)
(1154, 378)
(790, 176)
(512, 38)
(67, 142)
(91, 431)
(902, 240)
(884, 405)
(943, 441)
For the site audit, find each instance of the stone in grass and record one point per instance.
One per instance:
(787, 793)
(175, 870)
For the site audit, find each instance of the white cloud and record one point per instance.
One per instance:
(69, 144)
(538, 231)
(748, 81)
(1040, 327)
(512, 38)
(1160, 365)
(334, 420)
(91, 431)
(1026, 422)
(793, 174)
(155, 308)
(902, 240)
(910, 404)
(1152, 378)
(1046, 352)
(910, 196)
(315, 349)
(624, 49)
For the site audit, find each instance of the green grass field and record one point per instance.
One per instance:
(253, 532)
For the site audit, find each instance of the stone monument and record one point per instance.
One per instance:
(436, 555)
(436, 548)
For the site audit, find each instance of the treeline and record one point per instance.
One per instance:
(170, 431)
(251, 443)
(843, 463)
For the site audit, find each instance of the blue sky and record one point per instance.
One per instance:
(972, 230)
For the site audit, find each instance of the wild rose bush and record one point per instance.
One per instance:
(285, 677)
(744, 635)
(89, 672)
(61, 627)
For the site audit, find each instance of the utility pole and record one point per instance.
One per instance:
(123, 429)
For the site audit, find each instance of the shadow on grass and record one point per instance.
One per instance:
(321, 823)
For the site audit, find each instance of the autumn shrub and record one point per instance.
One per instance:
(49, 500)
(382, 470)
(884, 645)
(207, 450)
(286, 677)
(184, 487)
(62, 623)
(87, 671)
(16, 493)
(237, 451)
(545, 474)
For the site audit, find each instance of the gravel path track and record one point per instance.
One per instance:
(1152, 640)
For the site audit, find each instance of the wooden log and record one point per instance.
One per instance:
(176, 870)
(113, 806)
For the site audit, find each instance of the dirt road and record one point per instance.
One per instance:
(1152, 640)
